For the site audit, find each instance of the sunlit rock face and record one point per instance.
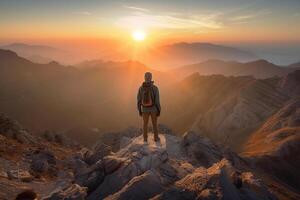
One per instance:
(176, 167)
(160, 170)
(275, 145)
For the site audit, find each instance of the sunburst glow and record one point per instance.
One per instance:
(138, 35)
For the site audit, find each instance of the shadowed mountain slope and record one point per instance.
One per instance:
(36, 53)
(226, 109)
(259, 69)
(53, 95)
(178, 54)
(275, 146)
(188, 167)
(85, 102)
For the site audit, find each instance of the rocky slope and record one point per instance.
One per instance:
(174, 168)
(226, 109)
(220, 107)
(275, 146)
(187, 167)
(54, 94)
(32, 166)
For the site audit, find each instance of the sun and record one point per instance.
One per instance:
(138, 35)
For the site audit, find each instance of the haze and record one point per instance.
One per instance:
(97, 29)
(79, 81)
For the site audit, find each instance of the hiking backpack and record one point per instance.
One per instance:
(147, 96)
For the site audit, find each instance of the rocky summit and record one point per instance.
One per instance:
(177, 167)
(173, 168)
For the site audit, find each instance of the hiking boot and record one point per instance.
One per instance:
(145, 140)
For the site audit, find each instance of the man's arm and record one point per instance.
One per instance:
(139, 102)
(157, 101)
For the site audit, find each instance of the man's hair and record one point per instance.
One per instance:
(148, 77)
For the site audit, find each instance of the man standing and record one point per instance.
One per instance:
(148, 105)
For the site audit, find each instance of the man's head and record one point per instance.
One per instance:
(148, 77)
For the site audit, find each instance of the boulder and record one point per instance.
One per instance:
(83, 154)
(139, 160)
(124, 141)
(44, 154)
(24, 137)
(78, 166)
(59, 138)
(9, 126)
(115, 181)
(43, 161)
(90, 179)
(99, 152)
(200, 150)
(144, 186)
(3, 174)
(111, 164)
(92, 176)
(73, 192)
(20, 174)
(112, 139)
(12, 129)
(39, 166)
(220, 181)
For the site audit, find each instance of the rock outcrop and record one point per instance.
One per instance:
(290, 84)
(191, 167)
(187, 167)
(220, 181)
(234, 119)
(12, 129)
(73, 192)
(43, 161)
(275, 146)
(112, 139)
(59, 138)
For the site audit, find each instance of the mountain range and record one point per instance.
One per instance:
(51, 166)
(167, 56)
(178, 54)
(231, 137)
(259, 68)
(36, 53)
(96, 89)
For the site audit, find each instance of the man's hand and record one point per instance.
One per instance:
(158, 113)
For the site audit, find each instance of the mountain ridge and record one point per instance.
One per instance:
(258, 68)
(178, 54)
(137, 170)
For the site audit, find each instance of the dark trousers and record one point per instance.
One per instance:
(146, 117)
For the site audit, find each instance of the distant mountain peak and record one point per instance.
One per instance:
(23, 45)
(54, 63)
(260, 62)
(7, 53)
(187, 53)
(294, 65)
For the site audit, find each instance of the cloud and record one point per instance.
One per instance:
(87, 13)
(243, 17)
(170, 21)
(246, 18)
(137, 8)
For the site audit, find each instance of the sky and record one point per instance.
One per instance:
(162, 20)
(269, 28)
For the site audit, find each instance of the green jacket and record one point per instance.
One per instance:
(156, 107)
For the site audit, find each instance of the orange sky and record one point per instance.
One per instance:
(163, 21)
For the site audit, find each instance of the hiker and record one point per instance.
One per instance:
(148, 105)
